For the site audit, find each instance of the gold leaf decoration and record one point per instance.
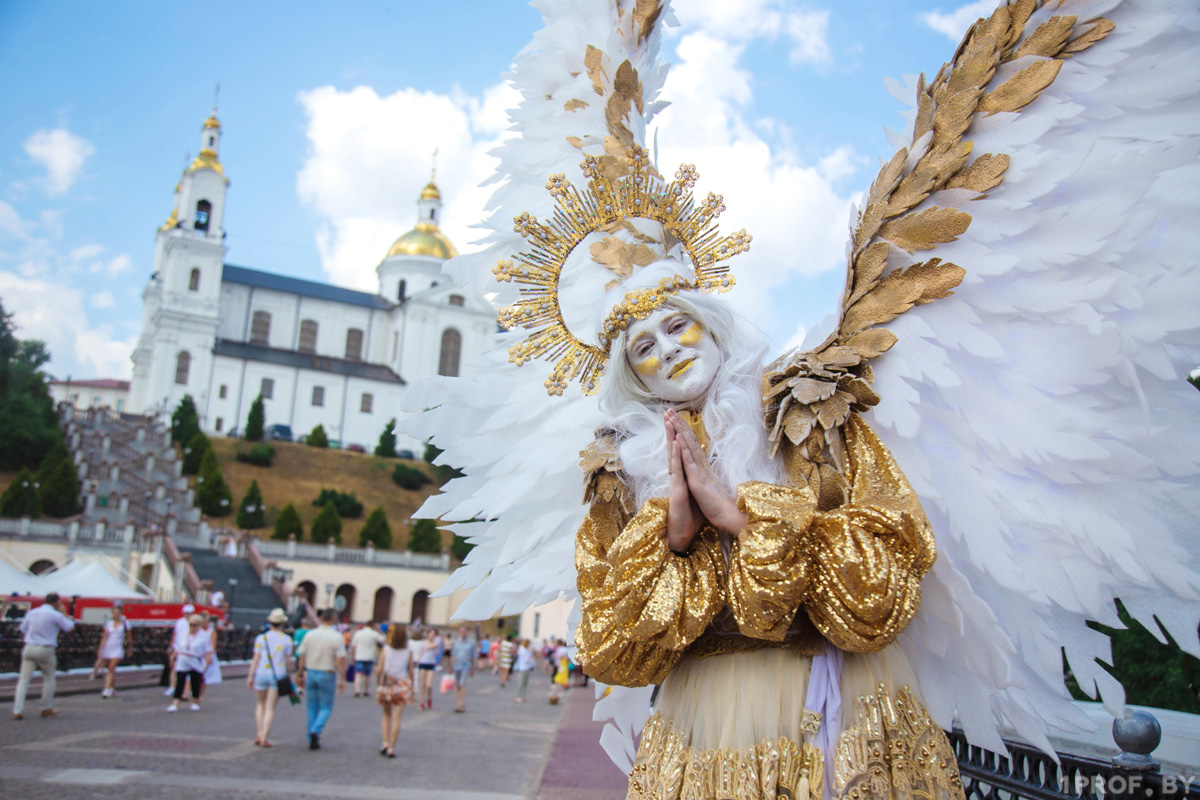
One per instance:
(575, 141)
(1048, 40)
(620, 257)
(869, 269)
(645, 15)
(872, 343)
(926, 229)
(1098, 31)
(575, 105)
(1021, 89)
(593, 60)
(985, 173)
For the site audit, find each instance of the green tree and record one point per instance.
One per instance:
(255, 421)
(410, 478)
(21, 498)
(250, 513)
(1152, 673)
(194, 452)
(60, 490)
(376, 530)
(27, 417)
(387, 441)
(432, 451)
(460, 547)
(317, 438)
(57, 453)
(327, 525)
(425, 537)
(347, 504)
(212, 488)
(288, 524)
(185, 422)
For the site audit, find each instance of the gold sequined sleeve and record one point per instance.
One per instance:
(869, 555)
(641, 603)
(768, 563)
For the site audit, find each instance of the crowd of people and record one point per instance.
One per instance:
(312, 663)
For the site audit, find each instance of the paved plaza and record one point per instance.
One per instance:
(129, 747)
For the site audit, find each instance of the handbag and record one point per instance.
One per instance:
(284, 685)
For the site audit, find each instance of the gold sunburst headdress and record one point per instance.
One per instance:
(609, 202)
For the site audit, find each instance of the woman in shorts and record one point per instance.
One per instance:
(431, 658)
(271, 663)
(393, 684)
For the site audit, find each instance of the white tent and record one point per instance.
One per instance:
(87, 579)
(13, 580)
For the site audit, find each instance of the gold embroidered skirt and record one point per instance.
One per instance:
(733, 727)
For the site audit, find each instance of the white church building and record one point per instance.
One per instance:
(317, 353)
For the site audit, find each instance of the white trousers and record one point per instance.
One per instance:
(40, 657)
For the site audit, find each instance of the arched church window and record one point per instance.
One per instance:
(455, 300)
(194, 280)
(308, 336)
(354, 340)
(451, 350)
(400, 291)
(260, 328)
(183, 364)
(203, 211)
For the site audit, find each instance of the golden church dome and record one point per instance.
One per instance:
(430, 192)
(212, 122)
(423, 240)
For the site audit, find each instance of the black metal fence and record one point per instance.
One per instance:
(78, 648)
(1029, 774)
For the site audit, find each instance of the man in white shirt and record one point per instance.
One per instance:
(177, 640)
(322, 665)
(365, 644)
(40, 628)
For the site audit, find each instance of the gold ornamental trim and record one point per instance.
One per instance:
(608, 203)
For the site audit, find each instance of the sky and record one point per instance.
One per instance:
(330, 120)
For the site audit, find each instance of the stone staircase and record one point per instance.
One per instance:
(249, 599)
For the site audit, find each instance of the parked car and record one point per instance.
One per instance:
(279, 433)
(233, 433)
(405, 454)
(356, 448)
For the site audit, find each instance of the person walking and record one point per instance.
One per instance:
(322, 666)
(40, 629)
(505, 659)
(191, 660)
(181, 631)
(484, 646)
(524, 668)
(212, 673)
(394, 688)
(463, 657)
(115, 643)
(430, 660)
(364, 645)
(272, 662)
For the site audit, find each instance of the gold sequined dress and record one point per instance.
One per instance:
(730, 630)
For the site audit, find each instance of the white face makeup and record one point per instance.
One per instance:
(674, 356)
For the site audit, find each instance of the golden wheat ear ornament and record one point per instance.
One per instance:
(639, 194)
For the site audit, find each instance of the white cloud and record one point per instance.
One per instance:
(369, 157)
(806, 28)
(103, 299)
(62, 153)
(954, 24)
(113, 267)
(796, 339)
(86, 252)
(11, 222)
(55, 314)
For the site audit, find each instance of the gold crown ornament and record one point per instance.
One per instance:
(606, 204)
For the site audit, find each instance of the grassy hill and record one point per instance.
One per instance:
(299, 473)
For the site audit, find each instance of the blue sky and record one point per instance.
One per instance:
(330, 120)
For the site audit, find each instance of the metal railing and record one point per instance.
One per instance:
(1027, 773)
(304, 551)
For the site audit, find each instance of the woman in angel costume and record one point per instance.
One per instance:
(822, 563)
